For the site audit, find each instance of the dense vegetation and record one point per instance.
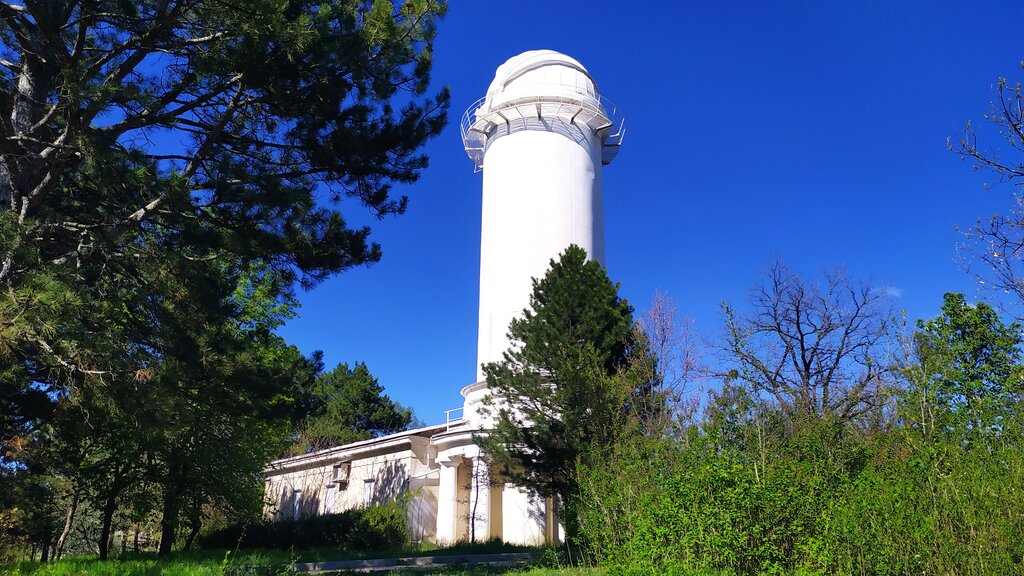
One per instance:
(171, 173)
(381, 527)
(143, 387)
(928, 484)
(838, 440)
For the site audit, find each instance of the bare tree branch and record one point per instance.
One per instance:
(815, 349)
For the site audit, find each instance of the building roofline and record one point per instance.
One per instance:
(321, 457)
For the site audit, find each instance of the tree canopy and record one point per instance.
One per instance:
(816, 348)
(347, 405)
(992, 251)
(214, 131)
(171, 171)
(968, 368)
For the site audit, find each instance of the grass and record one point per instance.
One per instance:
(139, 567)
(179, 567)
(271, 562)
(493, 571)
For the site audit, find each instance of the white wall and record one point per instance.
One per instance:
(393, 474)
(541, 193)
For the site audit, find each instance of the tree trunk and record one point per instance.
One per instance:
(474, 489)
(196, 524)
(44, 555)
(108, 520)
(135, 544)
(168, 522)
(68, 521)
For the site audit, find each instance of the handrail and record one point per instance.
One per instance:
(448, 420)
(475, 142)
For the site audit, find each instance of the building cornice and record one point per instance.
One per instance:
(361, 449)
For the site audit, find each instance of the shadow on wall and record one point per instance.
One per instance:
(537, 511)
(556, 125)
(390, 482)
(422, 512)
(294, 504)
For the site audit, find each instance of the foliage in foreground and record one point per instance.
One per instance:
(382, 527)
(866, 508)
(756, 488)
(262, 563)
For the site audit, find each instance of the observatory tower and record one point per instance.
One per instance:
(540, 136)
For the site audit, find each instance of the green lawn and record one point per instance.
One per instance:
(485, 571)
(266, 563)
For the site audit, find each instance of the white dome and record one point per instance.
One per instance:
(537, 74)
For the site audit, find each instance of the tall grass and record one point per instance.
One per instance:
(253, 564)
(880, 506)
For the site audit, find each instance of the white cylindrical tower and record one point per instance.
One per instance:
(541, 136)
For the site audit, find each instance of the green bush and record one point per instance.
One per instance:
(935, 511)
(380, 527)
(806, 503)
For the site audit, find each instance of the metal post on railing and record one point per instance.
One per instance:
(448, 420)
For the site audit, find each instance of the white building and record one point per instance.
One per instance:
(540, 136)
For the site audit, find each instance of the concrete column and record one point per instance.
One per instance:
(447, 492)
(496, 511)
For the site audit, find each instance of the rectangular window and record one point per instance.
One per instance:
(297, 497)
(329, 499)
(368, 492)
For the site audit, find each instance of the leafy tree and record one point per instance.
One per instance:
(816, 349)
(346, 405)
(244, 124)
(153, 156)
(230, 389)
(557, 391)
(967, 379)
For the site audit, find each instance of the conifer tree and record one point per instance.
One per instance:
(136, 135)
(347, 405)
(152, 154)
(557, 391)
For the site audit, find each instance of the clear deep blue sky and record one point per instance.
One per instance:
(813, 133)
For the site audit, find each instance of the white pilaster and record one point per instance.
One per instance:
(447, 491)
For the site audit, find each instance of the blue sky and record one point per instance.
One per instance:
(813, 133)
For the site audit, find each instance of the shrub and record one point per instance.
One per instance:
(381, 527)
(378, 527)
(815, 504)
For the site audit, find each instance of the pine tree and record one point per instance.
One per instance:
(152, 155)
(558, 391)
(347, 405)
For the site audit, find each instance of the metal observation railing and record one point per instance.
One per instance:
(452, 417)
(474, 136)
